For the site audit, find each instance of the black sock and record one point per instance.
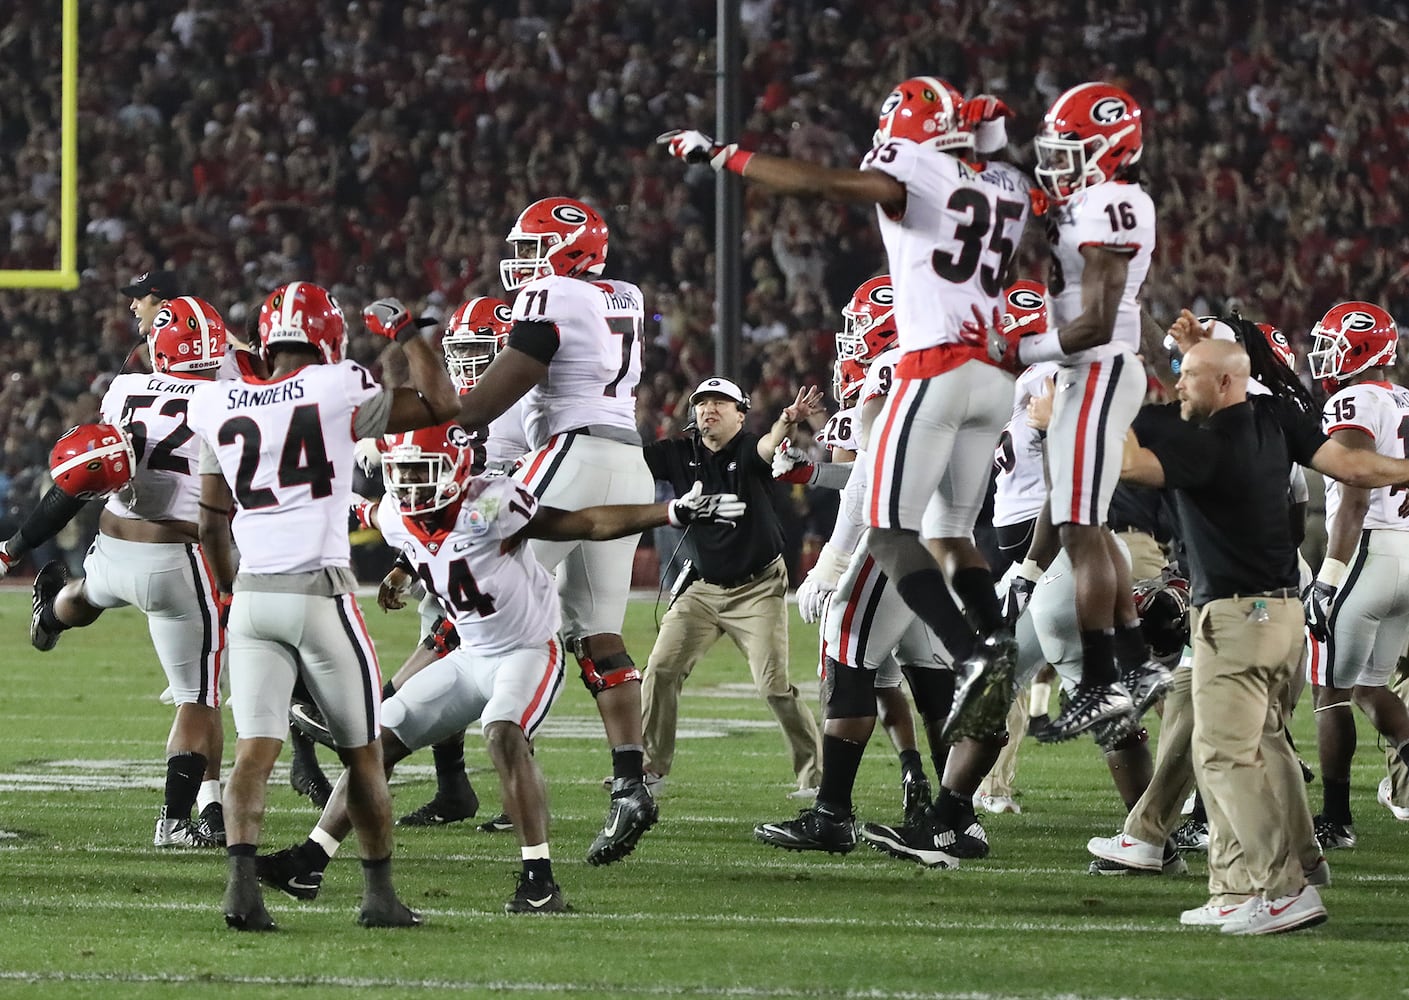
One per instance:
(538, 869)
(974, 586)
(1199, 814)
(910, 760)
(1335, 800)
(1098, 658)
(49, 620)
(628, 761)
(1403, 751)
(388, 689)
(183, 782)
(1131, 652)
(840, 761)
(928, 596)
(952, 809)
(449, 761)
(314, 854)
(240, 850)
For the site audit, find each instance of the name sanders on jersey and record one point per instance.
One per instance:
(236, 398)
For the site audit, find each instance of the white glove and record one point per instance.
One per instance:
(695, 147)
(791, 464)
(821, 581)
(368, 456)
(6, 560)
(700, 507)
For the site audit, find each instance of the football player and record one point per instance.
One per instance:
(1358, 605)
(1101, 223)
(574, 358)
(951, 227)
(146, 554)
(283, 448)
(465, 537)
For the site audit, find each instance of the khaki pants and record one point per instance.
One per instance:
(1398, 773)
(1002, 780)
(1157, 813)
(1252, 786)
(1147, 559)
(755, 617)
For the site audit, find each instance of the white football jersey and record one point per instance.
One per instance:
(154, 410)
(286, 447)
(499, 601)
(951, 248)
(842, 430)
(1115, 215)
(1021, 488)
(880, 376)
(507, 440)
(593, 375)
(1379, 409)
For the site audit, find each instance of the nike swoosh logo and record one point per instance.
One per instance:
(610, 828)
(1276, 912)
(540, 903)
(295, 883)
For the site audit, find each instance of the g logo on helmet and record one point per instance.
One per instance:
(883, 295)
(163, 318)
(891, 103)
(504, 314)
(570, 214)
(458, 436)
(1358, 322)
(1024, 300)
(1108, 111)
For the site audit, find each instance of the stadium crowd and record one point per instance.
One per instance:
(381, 148)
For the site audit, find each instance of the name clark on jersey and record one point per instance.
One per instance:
(184, 388)
(261, 397)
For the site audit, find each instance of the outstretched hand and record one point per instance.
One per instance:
(807, 404)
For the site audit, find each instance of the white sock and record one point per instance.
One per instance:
(325, 840)
(1039, 699)
(536, 852)
(209, 792)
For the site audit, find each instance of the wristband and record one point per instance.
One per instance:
(408, 333)
(1040, 347)
(1332, 572)
(737, 161)
(1030, 571)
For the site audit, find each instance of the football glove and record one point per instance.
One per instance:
(1015, 601)
(361, 511)
(6, 560)
(791, 464)
(1317, 604)
(442, 638)
(821, 583)
(368, 456)
(984, 114)
(700, 507)
(696, 147)
(390, 319)
(392, 589)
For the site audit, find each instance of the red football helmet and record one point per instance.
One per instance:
(1163, 606)
(426, 470)
(303, 313)
(1350, 338)
(1025, 307)
(91, 461)
(187, 335)
(1277, 340)
(475, 333)
(1088, 135)
(555, 236)
(868, 330)
(927, 110)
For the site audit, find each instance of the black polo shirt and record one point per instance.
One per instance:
(721, 554)
(1229, 478)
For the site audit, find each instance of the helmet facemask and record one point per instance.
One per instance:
(468, 355)
(421, 482)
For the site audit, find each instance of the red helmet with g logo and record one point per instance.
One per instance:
(1350, 338)
(1025, 307)
(1090, 133)
(926, 110)
(868, 330)
(91, 461)
(474, 334)
(1277, 340)
(303, 313)
(555, 236)
(427, 470)
(187, 335)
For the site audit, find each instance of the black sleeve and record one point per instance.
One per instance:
(657, 455)
(750, 459)
(537, 339)
(403, 563)
(1190, 456)
(56, 509)
(1302, 430)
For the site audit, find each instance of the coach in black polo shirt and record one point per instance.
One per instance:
(1228, 467)
(738, 582)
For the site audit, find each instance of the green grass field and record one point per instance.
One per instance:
(89, 908)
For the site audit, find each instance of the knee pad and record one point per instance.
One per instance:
(1127, 742)
(853, 694)
(933, 691)
(606, 673)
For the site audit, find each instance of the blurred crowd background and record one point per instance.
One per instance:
(384, 147)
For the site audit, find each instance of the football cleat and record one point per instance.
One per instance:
(307, 719)
(1191, 835)
(914, 795)
(989, 802)
(1384, 795)
(1146, 684)
(533, 895)
(970, 838)
(1089, 705)
(179, 833)
(983, 690)
(443, 809)
(309, 780)
(632, 812)
(211, 824)
(497, 824)
(47, 584)
(927, 842)
(387, 913)
(1332, 835)
(290, 871)
(815, 829)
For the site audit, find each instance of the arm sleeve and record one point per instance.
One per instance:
(833, 475)
(371, 417)
(209, 464)
(536, 338)
(1301, 430)
(849, 528)
(55, 509)
(657, 456)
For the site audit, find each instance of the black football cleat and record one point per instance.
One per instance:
(290, 872)
(632, 812)
(497, 824)
(533, 895)
(47, 584)
(815, 829)
(1090, 704)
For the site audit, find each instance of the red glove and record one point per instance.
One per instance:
(390, 319)
(790, 464)
(222, 601)
(7, 561)
(361, 508)
(983, 108)
(1001, 345)
(443, 638)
